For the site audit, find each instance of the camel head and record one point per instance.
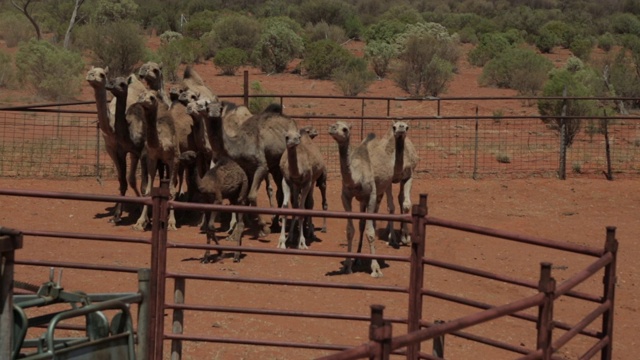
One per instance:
(340, 131)
(174, 93)
(400, 129)
(292, 139)
(198, 106)
(151, 72)
(149, 99)
(309, 130)
(214, 109)
(97, 76)
(118, 86)
(187, 96)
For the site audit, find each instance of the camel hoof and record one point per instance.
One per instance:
(323, 230)
(376, 274)
(139, 227)
(115, 220)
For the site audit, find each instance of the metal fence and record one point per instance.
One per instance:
(417, 314)
(453, 138)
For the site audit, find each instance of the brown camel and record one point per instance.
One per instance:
(406, 161)
(357, 181)
(322, 181)
(97, 78)
(191, 80)
(301, 165)
(162, 149)
(257, 147)
(151, 73)
(226, 180)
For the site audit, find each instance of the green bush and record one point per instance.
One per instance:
(517, 68)
(353, 77)
(181, 51)
(546, 41)
(490, 46)
(427, 55)
(116, 45)
(15, 29)
(258, 104)
(54, 73)
(237, 31)
(169, 36)
(107, 11)
(380, 54)
(6, 69)
(322, 57)
(606, 42)
(229, 60)
(333, 12)
(385, 31)
(196, 27)
(322, 30)
(277, 46)
(581, 47)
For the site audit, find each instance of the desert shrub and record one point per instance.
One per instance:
(258, 104)
(385, 30)
(333, 12)
(468, 36)
(53, 72)
(403, 13)
(237, 31)
(517, 68)
(489, 47)
(277, 46)
(209, 45)
(6, 69)
(169, 36)
(427, 55)
(107, 11)
(581, 47)
(15, 29)
(322, 57)
(380, 54)
(174, 53)
(625, 23)
(564, 32)
(116, 45)
(606, 42)
(546, 41)
(197, 26)
(322, 30)
(577, 80)
(623, 76)
(274, 8)
(353, 77)
(229, 60)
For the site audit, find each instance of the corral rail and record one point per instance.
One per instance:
(419, 316)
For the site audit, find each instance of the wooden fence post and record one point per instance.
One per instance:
(546, 285)
(438, 343)
(380, 332)
(10, 241)
(178, 318)
(142, 352)
(416, 276)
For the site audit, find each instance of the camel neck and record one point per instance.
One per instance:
(345, 163)
(217, 138)
(292, 157)
(152, 126)
(103, 110)
(398, 164)
(121, 125)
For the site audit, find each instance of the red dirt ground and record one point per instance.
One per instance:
(575, 210)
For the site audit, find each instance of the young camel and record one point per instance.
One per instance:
(357, 181)
(162, 150)
(151, 73)
(302, 166)
(226, 180)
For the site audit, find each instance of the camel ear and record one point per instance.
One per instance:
(91, 67)
(106, 70)
(160, 66)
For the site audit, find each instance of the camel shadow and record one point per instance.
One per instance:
(358, 266)
(130, 214)
(214, 258)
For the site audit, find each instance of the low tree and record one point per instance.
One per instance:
(520, 69)
(277, 46)
(23, 7)
(380, 54)
(52, 72)
(322, 57)
(353, 77)
(115, 10)
(229, 60)
(6, 69)
(489, 46)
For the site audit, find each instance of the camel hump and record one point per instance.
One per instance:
(370, 137)
(274, 108)
(190, 73)
(229, 106)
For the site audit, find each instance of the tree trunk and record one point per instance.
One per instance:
(24, 9)
(72, 23)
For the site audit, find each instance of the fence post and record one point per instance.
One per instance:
(142, 352)
(416, 276)
(438, 343)
(10, 241)
(178, 318)
(380, 331)
(607, 146)
(475, 152)
(611, 245)
(159, 220)
(246, 88)
(546, 285)
(562, 171)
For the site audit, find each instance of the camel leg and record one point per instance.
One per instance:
(304, 193)
(207, 253)
(233, 223)
(132, 180)
(277, 179)
(371, 236)
(346, 203)
(143, 220)
(258, 176)
(322, 185)
(211, 235)
(173, 191)
(404, 199)
(392, 238)
(120, 162)
(282, 241)
(237, 235)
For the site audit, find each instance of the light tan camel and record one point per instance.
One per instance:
(191, 80)
(226, 180)
(162, 150)
(406, 161)
(151, 73)
(97, 78)
(301, 165)
(357, 181)
(257, 147)
(321, 183)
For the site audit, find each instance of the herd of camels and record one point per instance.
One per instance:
(221, 151)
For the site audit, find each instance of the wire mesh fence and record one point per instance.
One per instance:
(59, 143)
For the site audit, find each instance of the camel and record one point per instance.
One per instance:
(151, 73)
(191, 80)
(226, 180)
(358, 181)
(257, 147)
(162, 150)
(301, 165)
(405, 163)
(112, 131)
